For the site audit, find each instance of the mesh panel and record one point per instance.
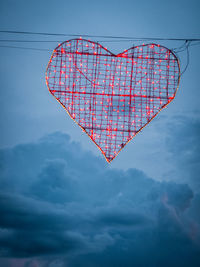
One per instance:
(112, 97)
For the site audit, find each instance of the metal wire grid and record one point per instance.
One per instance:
(112, 97)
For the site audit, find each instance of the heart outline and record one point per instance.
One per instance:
(114, 55)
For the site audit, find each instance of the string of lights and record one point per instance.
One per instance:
(188, 42)
(184, 47)
(112, 97)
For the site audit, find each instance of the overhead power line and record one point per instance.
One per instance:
(182, 48)
(99, 36)
(29, 41)
(57, 41)
(26, 48)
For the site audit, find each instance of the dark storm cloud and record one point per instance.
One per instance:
(57, 200)
(24, 213)
(33, 228)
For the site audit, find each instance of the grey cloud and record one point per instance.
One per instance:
(18, 212)
(58, 201)
(29, 227)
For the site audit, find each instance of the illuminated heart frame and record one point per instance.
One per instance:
(112, 97)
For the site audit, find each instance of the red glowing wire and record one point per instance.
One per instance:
(112, 97)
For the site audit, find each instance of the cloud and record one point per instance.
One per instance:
(32, 228)
(183, 145)
(62, 206)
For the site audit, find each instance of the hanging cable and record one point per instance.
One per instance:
(27, 48)
(97, 36)
(186, 46)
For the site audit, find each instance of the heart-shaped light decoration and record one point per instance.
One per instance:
(112, 97)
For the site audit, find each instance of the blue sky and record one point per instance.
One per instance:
(61, 203)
